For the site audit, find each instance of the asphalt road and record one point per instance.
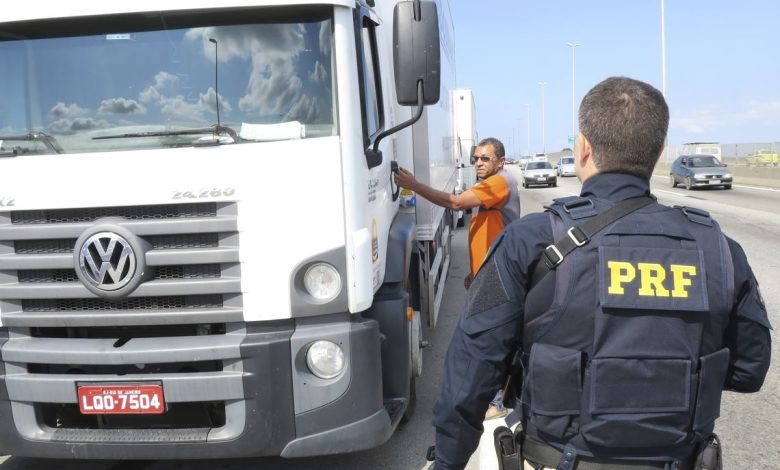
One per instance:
(749, 214)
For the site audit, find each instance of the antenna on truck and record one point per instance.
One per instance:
(216, 80)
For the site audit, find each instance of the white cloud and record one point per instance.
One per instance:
(178, 109)
(274, 85)
(325, 38)
(319, 73)
(175, 107)
(69, 126)
(61, 110)
(760, 111)
(163, 81)
(121, 106)
(271, 90)
(713, 119)
(305, 110)
(207, 101)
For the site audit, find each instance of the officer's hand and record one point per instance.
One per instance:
(404, 179)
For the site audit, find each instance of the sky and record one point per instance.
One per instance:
(722, 64)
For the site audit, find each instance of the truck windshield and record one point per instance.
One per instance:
(157, 81)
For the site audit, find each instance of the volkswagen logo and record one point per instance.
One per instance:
(107, 261)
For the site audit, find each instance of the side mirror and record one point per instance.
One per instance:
(417, 63)
(416, 53)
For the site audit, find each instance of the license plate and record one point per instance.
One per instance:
(541, 179)
(121, 399)
(714, 181)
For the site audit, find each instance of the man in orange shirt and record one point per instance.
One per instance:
(495, 196)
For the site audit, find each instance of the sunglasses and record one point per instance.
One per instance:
(483, 159)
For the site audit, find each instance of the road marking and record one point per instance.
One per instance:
(679, 194)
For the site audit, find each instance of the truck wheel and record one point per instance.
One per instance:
(688, 183)
(415, 363)
(673, 181)
(412, 403)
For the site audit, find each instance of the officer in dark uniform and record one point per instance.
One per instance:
(627, 342)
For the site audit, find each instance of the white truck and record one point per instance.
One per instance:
(702, 148)
(465, 133)
(201, 251)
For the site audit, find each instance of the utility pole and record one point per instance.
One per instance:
(573, 46)
(541, 86)
(528, 124)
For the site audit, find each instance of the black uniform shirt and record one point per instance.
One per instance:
(490, 328)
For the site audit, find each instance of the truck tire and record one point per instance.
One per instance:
(415, 364)
(673, 181)
(688, 183)
(412, 403)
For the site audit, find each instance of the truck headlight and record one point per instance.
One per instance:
(322, 281)
(325, 359)
(727, 175)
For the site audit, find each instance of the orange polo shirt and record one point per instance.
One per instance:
(487, 223)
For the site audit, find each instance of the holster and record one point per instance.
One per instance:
(710, 455)
(509, 448)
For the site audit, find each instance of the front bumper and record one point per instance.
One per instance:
(712, 181)
(540, 180)
(271, 406)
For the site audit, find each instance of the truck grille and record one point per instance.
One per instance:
(181, 326)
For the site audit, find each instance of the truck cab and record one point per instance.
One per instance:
(202, 254)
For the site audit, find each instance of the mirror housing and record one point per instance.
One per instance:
(416, 53)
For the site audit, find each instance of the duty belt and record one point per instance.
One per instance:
(547, 455)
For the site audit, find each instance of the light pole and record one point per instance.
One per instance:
(541, 86)
(663, 71)
(528, 124)
(573, 46)
(663, 51)
(216, 78)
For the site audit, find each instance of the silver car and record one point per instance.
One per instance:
(566, 167)
(696, 171)
(539, 174)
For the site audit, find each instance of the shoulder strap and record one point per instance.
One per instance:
(579, 235)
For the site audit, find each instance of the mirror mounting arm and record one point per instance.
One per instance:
(404, 124)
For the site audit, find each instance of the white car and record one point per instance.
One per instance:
(539, 173)
(566, 167)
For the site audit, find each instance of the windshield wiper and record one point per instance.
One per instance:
(216, 130)
(49, 141)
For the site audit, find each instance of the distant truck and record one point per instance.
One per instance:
(763, 158)
(465, 133)
(202, 251)
(703, 148)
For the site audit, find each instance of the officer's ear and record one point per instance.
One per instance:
(582, 149)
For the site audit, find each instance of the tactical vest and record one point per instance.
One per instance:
(626, 359)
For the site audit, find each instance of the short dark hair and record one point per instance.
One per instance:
(625, 121)
(498, 147)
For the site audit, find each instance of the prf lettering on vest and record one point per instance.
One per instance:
(651, 278)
